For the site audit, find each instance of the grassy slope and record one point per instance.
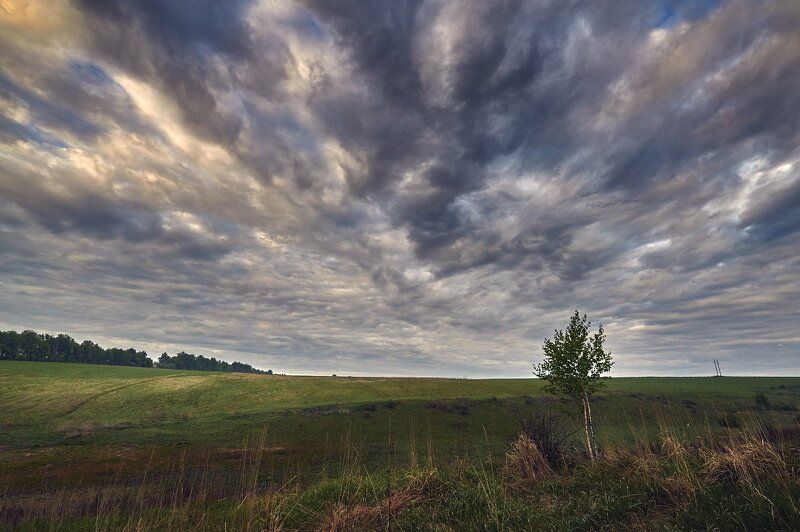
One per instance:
(44, 402)
(69, 425)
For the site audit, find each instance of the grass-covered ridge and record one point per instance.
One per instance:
(50, 400)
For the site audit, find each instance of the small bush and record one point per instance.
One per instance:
(548, 432)
(459, 406)
(761, 402)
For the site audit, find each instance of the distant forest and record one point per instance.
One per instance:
(31, 346)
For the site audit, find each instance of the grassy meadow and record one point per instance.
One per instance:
(102, 447)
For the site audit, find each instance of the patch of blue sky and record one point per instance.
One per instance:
(91, 73)
(672, 12)
(28, 132)
(48, 112)
(308, 26)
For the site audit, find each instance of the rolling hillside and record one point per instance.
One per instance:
(89, 434)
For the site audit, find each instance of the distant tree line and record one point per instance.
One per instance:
(28, 345)
(199, 362)
(31, 346)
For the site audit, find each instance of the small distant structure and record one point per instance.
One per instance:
(717, 369)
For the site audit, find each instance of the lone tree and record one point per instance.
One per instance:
(574, 364)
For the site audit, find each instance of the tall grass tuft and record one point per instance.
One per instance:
(525, 461)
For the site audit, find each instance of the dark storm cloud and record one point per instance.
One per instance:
(46, 112)
(509, 92)
(171, 42)
(775, 216)
(516, 98)
(94, 216)
(181, 24)
(405, 186)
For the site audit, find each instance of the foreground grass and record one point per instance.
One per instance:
(743, 480)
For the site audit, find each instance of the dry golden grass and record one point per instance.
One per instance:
(642, 462)
(376, 517)
(744, 462)
(524, 461)
(673, 448)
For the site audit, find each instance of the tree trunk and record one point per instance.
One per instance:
(587, 427)
(591, 426)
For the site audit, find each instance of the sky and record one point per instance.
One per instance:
(405, 187)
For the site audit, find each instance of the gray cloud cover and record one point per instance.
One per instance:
(420, 188)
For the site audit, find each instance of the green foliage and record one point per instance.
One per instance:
(28, 345)
(34, 347)
(200, 363)
(574, 362)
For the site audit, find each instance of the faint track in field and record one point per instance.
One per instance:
(111, 390)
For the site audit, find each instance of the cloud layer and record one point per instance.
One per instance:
(418, 188)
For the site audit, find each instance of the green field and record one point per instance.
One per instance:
(45, 404)
(70, 426)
